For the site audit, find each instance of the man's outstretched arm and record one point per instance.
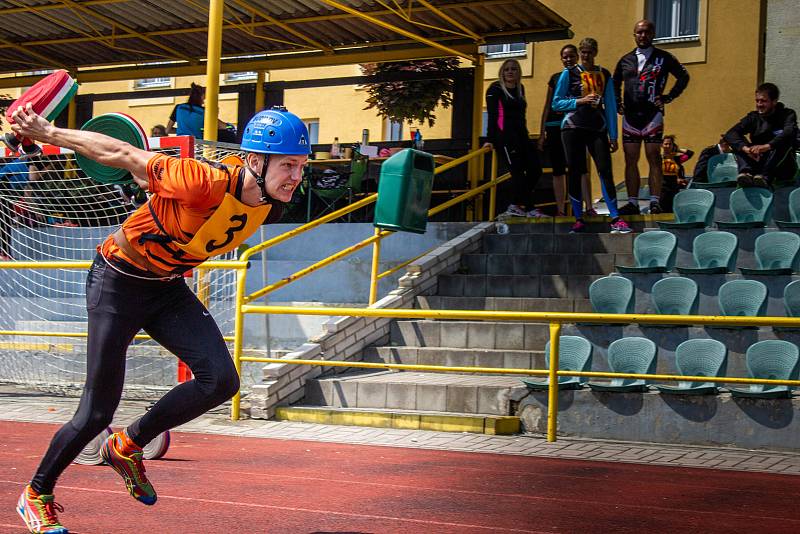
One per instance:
(96, 146)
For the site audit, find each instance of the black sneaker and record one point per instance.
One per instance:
(629, 209)
(760, 180)
(745, 180)
(655, 208)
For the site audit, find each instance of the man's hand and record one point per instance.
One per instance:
(662, 101)
(487, 144)
(28, 124)
(590, 99)
(761, 149)
(613, 145)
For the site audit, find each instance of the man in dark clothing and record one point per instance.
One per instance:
(639, 81)
(700, 173)
(764, 141)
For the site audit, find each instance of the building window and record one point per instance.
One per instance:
(504, 50)
(675, 20)
(241, 76)
(151, 83)
(393, 131)
(313, 130)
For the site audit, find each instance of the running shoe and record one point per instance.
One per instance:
(578, 227)
(745, 180)
(130, 468)
(655, 208)
(620, 227)
(629, 209)
(514, 211)
(591, 212)
(536, 214)
(40, 513)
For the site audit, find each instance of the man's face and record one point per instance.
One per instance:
(284, 174)
(764, 105)
(644, 34)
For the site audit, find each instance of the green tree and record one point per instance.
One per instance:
(410, 101)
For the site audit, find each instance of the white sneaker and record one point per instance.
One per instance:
(536, 214)
(515, 211)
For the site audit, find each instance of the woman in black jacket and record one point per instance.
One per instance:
(508, 134)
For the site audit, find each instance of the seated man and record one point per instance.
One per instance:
(701, 169)
(768, 155)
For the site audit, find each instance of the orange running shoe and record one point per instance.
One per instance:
(39, 513)
(130, 467)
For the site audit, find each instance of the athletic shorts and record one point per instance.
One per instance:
(554, 148)
(647, 129)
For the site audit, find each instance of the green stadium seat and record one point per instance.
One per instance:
(742, 298)
(791, 299)
(794, 211)
(698, 357)
(675, 296)
(611, 294)
(653, 252)
(772, 359)
(693, 208)
(714, 253)
(629, 355)
(575, 354)
(751, 207)
(776, 253)
(722, 172)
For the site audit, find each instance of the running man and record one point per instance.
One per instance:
(195, 210)
(641, 76)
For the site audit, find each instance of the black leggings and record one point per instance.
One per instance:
(119, 306)
(523, 164)
(576, 142)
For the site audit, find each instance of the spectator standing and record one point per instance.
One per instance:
(763, 141)
(672, 159)
(550, 140)
(585, 93)
(190, 117)
(508, 134)
(640, 77)
(700, 173)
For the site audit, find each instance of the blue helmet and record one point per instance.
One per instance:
(276, 131)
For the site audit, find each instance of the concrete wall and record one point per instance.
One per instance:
(651, 417)
(782, 63)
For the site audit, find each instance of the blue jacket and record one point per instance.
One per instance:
(577, 82)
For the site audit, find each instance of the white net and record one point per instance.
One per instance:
(50, 211)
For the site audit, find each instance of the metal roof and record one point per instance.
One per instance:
(89, 36)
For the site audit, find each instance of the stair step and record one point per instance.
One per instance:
(455, 357)
(528, 264)
(564, 243)
(530, 286)
(470, 334)
(401, 419)
(439, 302)
(436, 392)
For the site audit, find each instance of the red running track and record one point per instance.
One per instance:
(220, 484)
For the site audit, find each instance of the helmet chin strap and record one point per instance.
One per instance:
(261, 180)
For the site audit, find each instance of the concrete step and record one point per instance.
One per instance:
(401, 419)
(594, 225)
(571, 286)
(528, 264)
(453, 357)
(438, 302)
(431, 392)
(470, 334)
(525, 243)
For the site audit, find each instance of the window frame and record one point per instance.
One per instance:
(243, 76)
(389, 129)
(313, 130)
(164, 82)
(506, 51)
(674, 36)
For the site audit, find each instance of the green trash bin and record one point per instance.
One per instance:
(404, 192)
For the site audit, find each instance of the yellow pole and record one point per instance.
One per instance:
(260, 96)
(477, 122)
(203, 286)
(238, 335)
(72, 115)
(214, 55)
(493, 191)
(552, 390)
(376, 258)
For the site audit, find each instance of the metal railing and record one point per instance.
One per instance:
(555, 321)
